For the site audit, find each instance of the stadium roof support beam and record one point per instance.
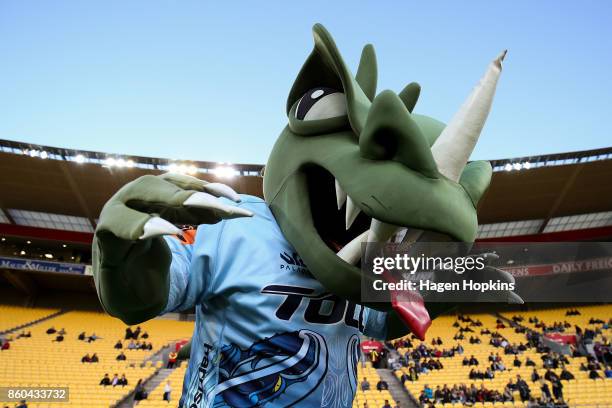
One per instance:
(569, 183)
(6, 213)
(21, 282)
(79, 197)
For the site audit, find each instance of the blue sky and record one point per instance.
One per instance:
(208, 80)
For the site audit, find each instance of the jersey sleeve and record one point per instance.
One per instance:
(375, 324)
(192, 267)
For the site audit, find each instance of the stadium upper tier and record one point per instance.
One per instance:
(530, 197)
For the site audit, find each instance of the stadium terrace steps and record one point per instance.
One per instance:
(160, 355)
(158, 379)
(398, 392)
(156, 394)
(150, 385)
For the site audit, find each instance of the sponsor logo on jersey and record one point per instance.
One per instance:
(292, 262)
(201, 375)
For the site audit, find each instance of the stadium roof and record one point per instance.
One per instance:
(64, 190)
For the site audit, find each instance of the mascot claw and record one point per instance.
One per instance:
(157, 226)
(208, 201)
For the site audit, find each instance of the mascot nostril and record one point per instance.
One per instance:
(390, 133)
(275, 282)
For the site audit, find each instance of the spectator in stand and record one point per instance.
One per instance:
(473, 361)
(132, 345)
(93, 338)
(365, 385)
(172, 359)
(608, 372)
(523, 388)
(529, 362)
(507, 395)
(128, 333)
(545, 390)
(566, 375)
(123, 381)
(413, 373)
(167, 391)
(115, 380)
(145, 335)
(557, 389)
(118, 345)
(24, 334)
(62, 332)
(81, 336)
(139, 392)
(382, 385)
(59, 338)
(22, 404)
(86, 358)
(428, 391)
(498, 365)
(136, 333)
(105, 380)
(94, 358)
(121, 357)
(516, 362)
(438, 394)
(534, 375)
(593, 375)
(386, 405)
(5, 344)
(550, 375)
(51, 330)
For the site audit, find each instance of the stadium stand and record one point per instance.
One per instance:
(40, 360)
(546, 198)
(12, 317)
(581, 391)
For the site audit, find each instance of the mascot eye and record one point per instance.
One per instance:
(321, 103)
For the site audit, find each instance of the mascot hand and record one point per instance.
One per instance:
(131, 260)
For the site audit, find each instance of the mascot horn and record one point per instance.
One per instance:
(274, 282)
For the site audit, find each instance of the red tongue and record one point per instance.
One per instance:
(410, 307)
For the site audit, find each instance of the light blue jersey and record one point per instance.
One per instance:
(267, 333)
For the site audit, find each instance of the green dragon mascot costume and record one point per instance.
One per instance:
(275, 283)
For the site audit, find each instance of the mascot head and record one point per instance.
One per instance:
(353, 166)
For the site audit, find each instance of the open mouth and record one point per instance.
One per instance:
(340, 224)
